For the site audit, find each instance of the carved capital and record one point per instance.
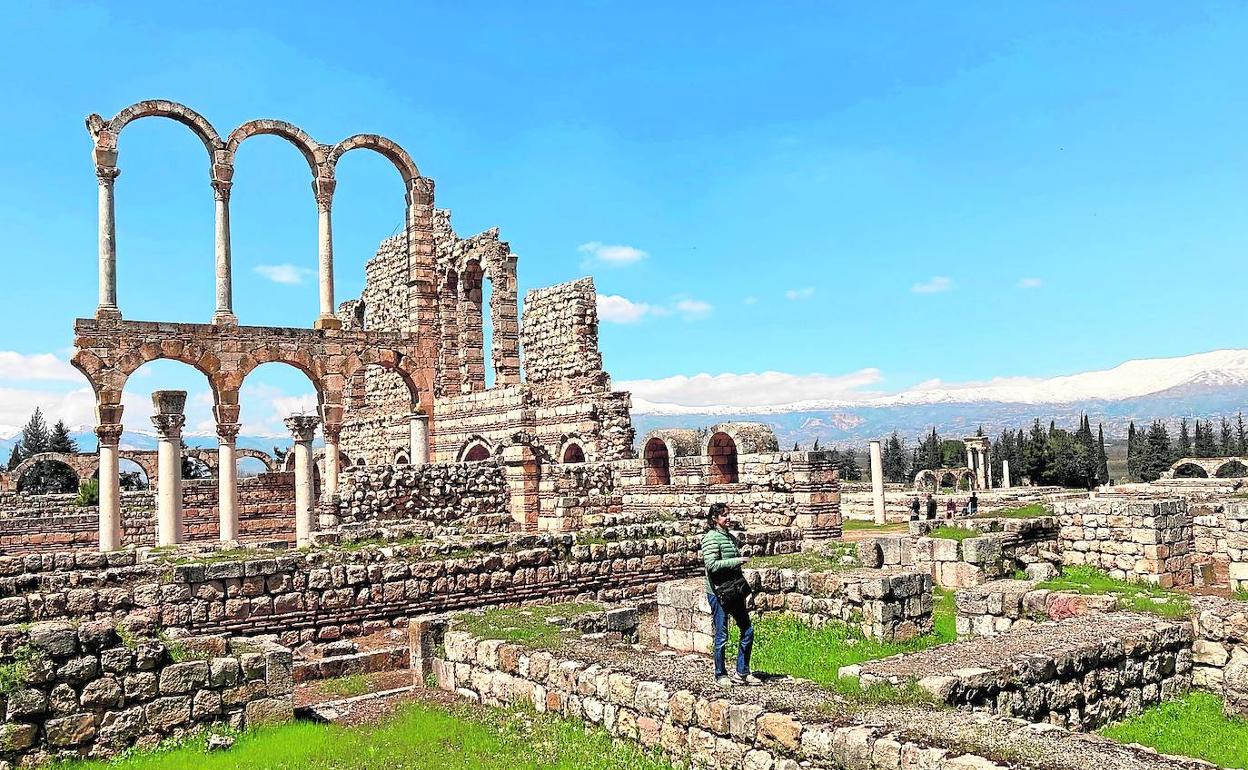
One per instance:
(302, 426)
(169, 426)
(106, 175)
(228, 431)
(323, 188)
(221, 189)
(109, 435)
(332, 431)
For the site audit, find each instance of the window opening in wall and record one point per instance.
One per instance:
(723, 456)
(658, 468)
(574, 454)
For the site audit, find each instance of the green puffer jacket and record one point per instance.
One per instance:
(720, 551)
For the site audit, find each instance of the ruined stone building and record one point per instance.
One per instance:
(401, 379)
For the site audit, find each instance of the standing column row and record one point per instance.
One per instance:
(303, 428)
(169, 419)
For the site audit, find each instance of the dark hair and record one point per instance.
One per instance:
(716, 510)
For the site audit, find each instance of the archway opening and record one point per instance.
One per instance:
(1190, 471)
(131, 475)
(658, 467)
(369, 208)
(948, 482)
(573, 454)
(270, 393)
(476, 453)
(966, 482)
(195, 469)
(47, 477)
(249, 467)
(472, 339)
(1232, 470)
(722, 453)
(400, 458)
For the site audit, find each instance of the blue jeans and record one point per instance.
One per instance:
(741, 616)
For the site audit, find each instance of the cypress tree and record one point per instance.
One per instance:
(1185, 439)
(1133, 453)
(1241, 436)
(1158, 458)
(1226, 442)
(1102, 459)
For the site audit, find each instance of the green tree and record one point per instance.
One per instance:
(1133, 453)
(1035, 454)
(1226, 439)
(1241, 435)
(1184, 448)
(45, 476)
(849, 465)
(1102, 459)
(893, 458)
(1157, 456)
(1205, 444)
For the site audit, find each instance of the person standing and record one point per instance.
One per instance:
(726, 589)
(973, 505)
(931, 506)
(951, 508)
(914, 507)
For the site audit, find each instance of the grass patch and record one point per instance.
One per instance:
(1191, 726)
(788, 646)
(373, 542)
(345, 686)
(417, 737)
(1029, 511)
(13, 675)
(527, 625)
(954, 533)
(1128, 595)
(801, 560)
(866, 525)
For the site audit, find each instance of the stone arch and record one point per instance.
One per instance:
(145, 460)
(206, 457)
(747, 437)
(1198, 470)
(657, 456)
(946, 474)
(400, 458)
(721, 455)
(106, 133)
(572, 451)
(190, 354)
(474, 450)
(270, 464)
(416, 379)
(968, 476)
(1234, 464)
(79, 465)
(923, 477)
(311, 150)
(380, 144)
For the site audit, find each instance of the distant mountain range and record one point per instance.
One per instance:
(1205, 385)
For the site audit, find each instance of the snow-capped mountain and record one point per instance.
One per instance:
(1203, 385)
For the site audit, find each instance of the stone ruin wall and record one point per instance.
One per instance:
(44, 523)
(437, 493)
(90, 692)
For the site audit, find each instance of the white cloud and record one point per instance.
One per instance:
(610, 255)
(752, 389)
(1030, 283)
(22, 367)
(805, 292)
(693, 309)
(285, 273)
(934, 285)
(621, 310)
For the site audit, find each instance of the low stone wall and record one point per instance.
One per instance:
(1236, 518)
(758, 728)
(47, 523)
(1135, 540)
(998, 606)
(887, 605)
(327, 594)
(434, 492)
(1082, 673)
(86, 690)
(388, 659)
(1006, 546)
(1210, 556)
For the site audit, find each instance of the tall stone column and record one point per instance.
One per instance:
(419, 449)
(877, 483)
(303, 428)
(169, 419)
(227, 481)
(323, 186)
(1005, 474)
(110, 486)
(107, 175)
(224, 314)
(329, 482)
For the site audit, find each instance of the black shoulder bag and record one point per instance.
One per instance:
(734, 588)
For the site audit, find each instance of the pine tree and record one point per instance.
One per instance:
(60, 478)
(893, 459)
(815, 448)
(1158, 457)
(42, 477)
(1241, 436)
(849, 465)
(1102, 459)
(1205, 445)
(16, 456)
(1185, 439)
(1035, 462)
(1226, 441)
(1133, 453)
(1090, 469)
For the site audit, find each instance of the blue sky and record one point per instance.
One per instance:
(893, 193)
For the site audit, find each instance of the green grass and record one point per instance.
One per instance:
(345, 686)
(13, 675)
(800, 560)
(1029, 511)
(1192, 726)
(785, 645)
(866, 525)
(1128, 595)
(528, 625)
(954, 533)
(417, 737)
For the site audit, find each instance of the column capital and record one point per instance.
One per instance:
(228, 431)
(221, 189)
(106, 175)
(302, 426)
(169, 426)
(332, 431)
(323, 188)
(108, 434)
